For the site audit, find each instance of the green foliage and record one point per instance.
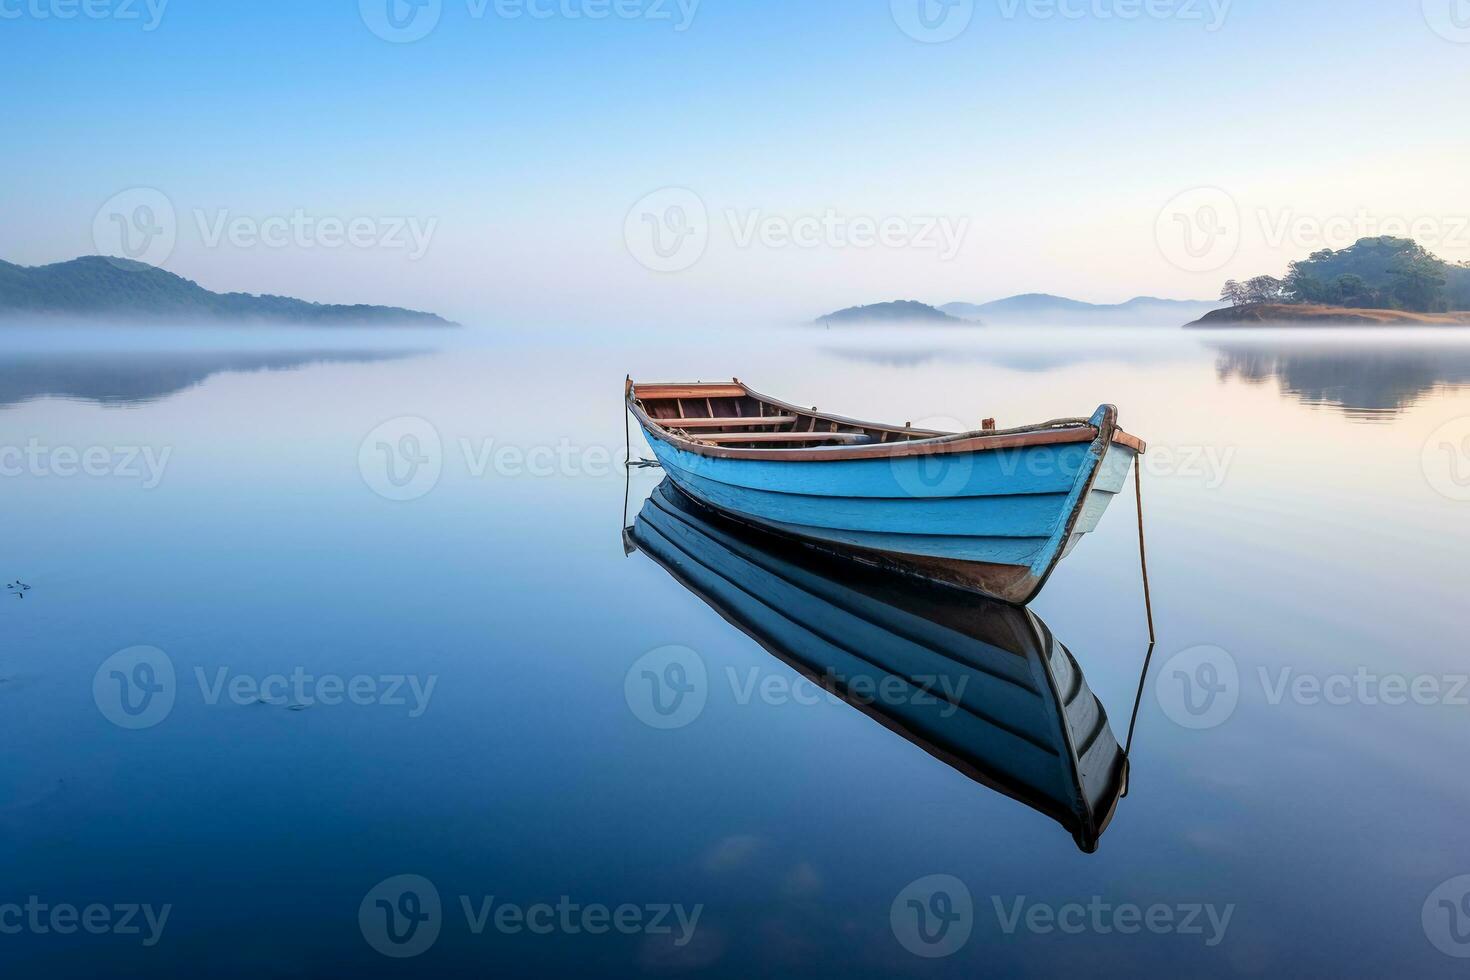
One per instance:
(1265, 289)
(1384, 273)
(1261, 289)
(1419, 283)
(1457, 291)
(1352, 290)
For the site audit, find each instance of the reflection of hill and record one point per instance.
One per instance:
(1041, 309)
(117, 378)
(1364, 382)
(1013, 358)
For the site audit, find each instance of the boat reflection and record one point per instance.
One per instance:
(980, 685)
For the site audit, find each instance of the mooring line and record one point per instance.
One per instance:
(1148, 602)
(1138, 699)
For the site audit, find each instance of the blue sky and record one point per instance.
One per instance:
(1049, 145)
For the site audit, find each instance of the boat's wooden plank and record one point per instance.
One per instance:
(723, 437)
(980, 442)
(1132, 442)
(659, 392)
(895, 450)
(731, 422)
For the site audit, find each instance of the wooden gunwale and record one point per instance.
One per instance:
(930, 443)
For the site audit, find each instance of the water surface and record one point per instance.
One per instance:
(443, 521)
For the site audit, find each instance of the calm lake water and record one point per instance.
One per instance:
(310, 613)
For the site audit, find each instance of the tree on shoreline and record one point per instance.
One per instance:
(1261, 289)
(1420, 284)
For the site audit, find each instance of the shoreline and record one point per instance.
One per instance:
(1287, 315)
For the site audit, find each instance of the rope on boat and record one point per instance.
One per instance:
(1148, 659)
(627, 491)
(1148, 602)
(1148, 605)
(1019, 430)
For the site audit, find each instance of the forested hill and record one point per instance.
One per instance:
(95, 287)
(1383, 273)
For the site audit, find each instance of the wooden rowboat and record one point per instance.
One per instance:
(991, 511)
(983, 686)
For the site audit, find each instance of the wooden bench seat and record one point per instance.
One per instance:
(724, 437)
(650, 393)
(728, 423)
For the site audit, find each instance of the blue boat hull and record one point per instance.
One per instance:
(995, 522)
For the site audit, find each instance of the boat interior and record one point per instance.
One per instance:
(731, 415)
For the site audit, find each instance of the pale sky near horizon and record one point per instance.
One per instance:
(540, 161)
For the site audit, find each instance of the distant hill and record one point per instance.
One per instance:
(95, 287)
(899, 311)
(1041, 309)
(1313, 315)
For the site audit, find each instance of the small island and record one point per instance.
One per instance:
(1376, 282)
(898, 311)
(119, 290)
